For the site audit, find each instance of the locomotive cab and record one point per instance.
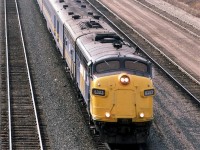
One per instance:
(122, 98)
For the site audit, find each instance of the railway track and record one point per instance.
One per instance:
(22, 128)
(180, 23)
(185, 80)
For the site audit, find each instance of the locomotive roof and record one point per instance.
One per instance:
(80, 29)
(75, 22)
(97, 51)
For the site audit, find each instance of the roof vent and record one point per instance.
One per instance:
(90, 13)
(65, 6)
(78, 1)
(93, 24)
(61, 1)
(83, 6)
(107, 38)
(70, 13)
(76, 16)
(100, 36)
(83, 25)
(96, 17)
(117, 44)
(89, 24)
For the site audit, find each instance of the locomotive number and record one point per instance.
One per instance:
(98, 92)
(149, 92)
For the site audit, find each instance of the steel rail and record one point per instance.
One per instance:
(8, 78)
(30, 82)
(180, 68)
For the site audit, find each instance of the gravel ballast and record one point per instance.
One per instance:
(176, 12)
(65, 124)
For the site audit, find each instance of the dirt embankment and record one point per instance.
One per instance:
(190, 6)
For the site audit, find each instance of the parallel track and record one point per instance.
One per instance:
(186, 81)
(20, 124)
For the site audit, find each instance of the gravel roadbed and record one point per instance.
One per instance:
(65, 124)
(176, 12)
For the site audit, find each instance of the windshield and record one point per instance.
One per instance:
(133, 66)
(107, 66)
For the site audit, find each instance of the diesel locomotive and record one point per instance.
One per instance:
(114, 81)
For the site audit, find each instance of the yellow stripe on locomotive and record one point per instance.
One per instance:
(122, 96)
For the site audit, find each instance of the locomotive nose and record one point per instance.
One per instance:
(125, 103)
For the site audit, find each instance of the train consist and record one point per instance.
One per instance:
(113, 80)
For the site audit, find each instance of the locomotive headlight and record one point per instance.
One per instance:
(124, 79)
(141, 115)
(107, 114)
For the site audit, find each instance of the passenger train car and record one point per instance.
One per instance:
(113, 80)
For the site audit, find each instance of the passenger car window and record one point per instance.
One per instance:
(136, 66)
(107, 66)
